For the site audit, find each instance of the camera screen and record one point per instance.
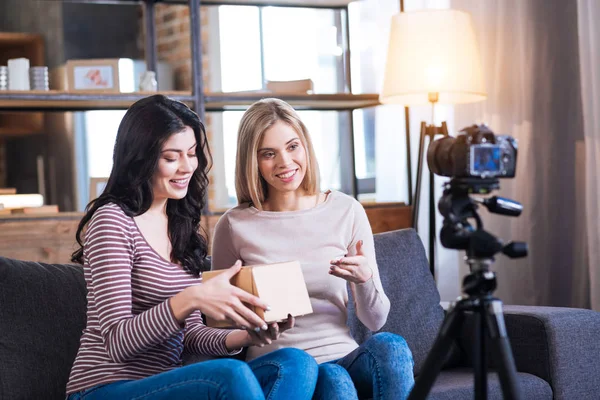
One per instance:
(485, 159)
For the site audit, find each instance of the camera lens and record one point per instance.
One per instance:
(439, 156)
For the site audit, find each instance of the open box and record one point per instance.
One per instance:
(280, 285)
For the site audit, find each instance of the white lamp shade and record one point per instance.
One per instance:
(432, 51)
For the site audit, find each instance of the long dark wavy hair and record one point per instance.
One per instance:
(146, 126)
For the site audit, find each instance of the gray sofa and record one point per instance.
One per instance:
(42, 314)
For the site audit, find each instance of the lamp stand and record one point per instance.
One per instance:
(430, 132)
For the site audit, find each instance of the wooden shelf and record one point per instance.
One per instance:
(60, 216)
(342, 101)
(288, 3)
(81, 101)
(30, 46)
(292, 3)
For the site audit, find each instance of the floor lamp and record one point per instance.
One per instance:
(432, 59)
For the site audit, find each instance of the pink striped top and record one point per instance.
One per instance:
(131, 332)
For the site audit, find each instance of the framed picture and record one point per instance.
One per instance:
(101, 75)
(97, 186)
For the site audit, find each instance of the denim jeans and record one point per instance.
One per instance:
(272, 376)
(381, 368)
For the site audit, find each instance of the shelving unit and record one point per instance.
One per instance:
(51, 237)
(30, 46)
(197, 98)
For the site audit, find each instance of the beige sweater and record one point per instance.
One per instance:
(313, 237)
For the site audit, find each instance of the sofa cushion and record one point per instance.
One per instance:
(415, 311)
(41, 320)
(457, 384)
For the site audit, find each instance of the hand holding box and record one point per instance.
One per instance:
(280, 285)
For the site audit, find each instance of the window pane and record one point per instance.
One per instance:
(364, 143)
(240, 52)
(231, 123)
(302, 43)
(380, 154)
(323, 127)
(379, 132)
(101, 133)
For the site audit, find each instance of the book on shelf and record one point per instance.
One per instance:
(11, 201)
(49, 209)
(294, 86)
(8, 191)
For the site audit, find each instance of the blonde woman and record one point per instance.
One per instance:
(282, 215)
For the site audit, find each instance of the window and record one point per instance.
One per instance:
(290, 43)
(278, 44)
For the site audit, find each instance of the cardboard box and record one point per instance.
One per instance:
(280, 285)
(296, 86)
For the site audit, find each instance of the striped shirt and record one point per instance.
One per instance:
(131, 332)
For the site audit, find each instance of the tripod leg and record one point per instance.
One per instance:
(438, 353)
(479, 359)
(501, 346)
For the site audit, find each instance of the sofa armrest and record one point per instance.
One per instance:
(559, 345)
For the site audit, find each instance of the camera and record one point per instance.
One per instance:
(476, 153)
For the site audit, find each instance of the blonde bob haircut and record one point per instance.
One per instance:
(249, 184)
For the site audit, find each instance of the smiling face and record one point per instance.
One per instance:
(282, 158)
(176, 165)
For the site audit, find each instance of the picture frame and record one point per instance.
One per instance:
(96, 75)
(97, 186)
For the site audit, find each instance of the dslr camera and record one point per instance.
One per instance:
(476, 153)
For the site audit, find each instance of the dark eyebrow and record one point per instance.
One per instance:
(288, 142)
(177, 150)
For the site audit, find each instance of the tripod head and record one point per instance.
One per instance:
(458, 207)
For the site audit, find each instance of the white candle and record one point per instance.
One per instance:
(18, 74)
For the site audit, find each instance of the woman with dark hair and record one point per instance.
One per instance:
(142, 255)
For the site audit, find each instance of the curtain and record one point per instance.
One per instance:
(589, 47)
(530, 59)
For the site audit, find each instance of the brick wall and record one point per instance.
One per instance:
(173, 42)
(173, 39)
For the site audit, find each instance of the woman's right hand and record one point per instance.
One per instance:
(220, 300)
(262, 338)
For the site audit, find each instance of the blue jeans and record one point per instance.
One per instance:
(381, 368)
(272, 376)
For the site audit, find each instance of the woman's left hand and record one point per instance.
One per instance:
(354, 269)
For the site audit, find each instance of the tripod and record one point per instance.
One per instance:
(488, 317)
(457, 206)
